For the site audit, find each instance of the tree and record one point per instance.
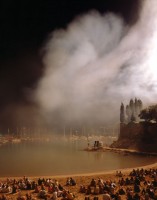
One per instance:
(128, 113)
(133, 118)
(122, 113)
(140, 104)
(153, 112)
(149, 113)
(131, 105)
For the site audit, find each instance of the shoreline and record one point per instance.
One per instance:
(97, 173)
(130, 151)
(119, 150)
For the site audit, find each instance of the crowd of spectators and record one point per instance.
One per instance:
(43, 188)
(139, 184)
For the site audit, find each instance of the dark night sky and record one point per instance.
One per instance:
(24, 27)
(25, 24)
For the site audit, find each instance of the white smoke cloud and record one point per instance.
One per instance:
(96, 63)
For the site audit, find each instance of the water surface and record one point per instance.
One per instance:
(61, 158)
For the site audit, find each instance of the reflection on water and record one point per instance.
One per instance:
(61, 157)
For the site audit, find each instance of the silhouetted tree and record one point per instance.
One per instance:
(140, 104)
(145, 114)
(133, 118)
(122, 113)
(149, 113)
(153, 112)
(136, 107)
(132, 111)
(131, 105)
(128, 113)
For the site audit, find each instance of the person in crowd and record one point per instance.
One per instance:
(93, 182)
(106, 196)
(72, 182)
(54, 196)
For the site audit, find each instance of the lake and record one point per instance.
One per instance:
(61, 158)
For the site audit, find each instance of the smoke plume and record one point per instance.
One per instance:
(97, 62)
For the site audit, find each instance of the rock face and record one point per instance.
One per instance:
(139, 136)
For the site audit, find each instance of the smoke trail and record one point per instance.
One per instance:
(96, 63)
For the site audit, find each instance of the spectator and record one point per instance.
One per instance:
(106, 196)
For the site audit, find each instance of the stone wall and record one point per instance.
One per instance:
(141, 136)
(131, 130)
